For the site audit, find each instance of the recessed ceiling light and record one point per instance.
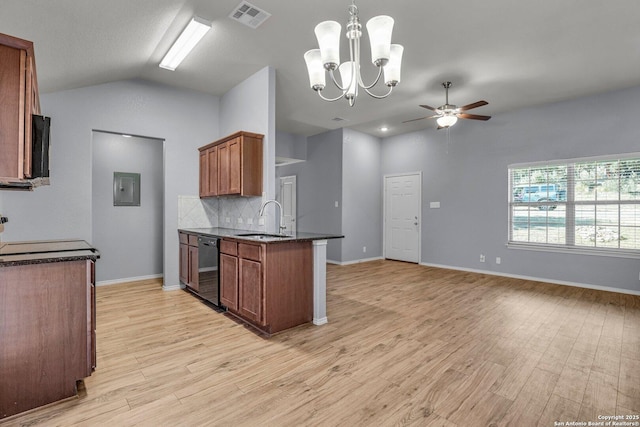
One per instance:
(126, 136)
(384, 128)
(192, 34)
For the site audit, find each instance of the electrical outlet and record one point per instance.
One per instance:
(481, 257)
(227, 219)
(240, 221)
(364, 249)
(498, 260)
(337, 204)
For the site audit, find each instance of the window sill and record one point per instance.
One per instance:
(615, 253)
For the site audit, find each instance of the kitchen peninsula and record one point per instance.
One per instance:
(47, 321)
(271, 281)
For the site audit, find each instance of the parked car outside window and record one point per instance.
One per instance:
(540, 193)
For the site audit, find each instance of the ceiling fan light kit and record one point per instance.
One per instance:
(447, 115)
(384, 55)
(446, 121)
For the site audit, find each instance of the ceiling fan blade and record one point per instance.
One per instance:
(421, 118)
(474, 105)
(413, 120)
(472, 116)
(428, 107)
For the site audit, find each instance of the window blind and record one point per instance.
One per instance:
(591, 204)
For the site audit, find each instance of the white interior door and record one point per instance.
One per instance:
(402, 201)
(287, 196)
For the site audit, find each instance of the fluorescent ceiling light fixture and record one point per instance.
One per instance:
(192, 34)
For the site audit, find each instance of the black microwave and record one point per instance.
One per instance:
(40, 126)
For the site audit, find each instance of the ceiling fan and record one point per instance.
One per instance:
(448, 114)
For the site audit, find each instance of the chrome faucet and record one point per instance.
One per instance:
(282, 226)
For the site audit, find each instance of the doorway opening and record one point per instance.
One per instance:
(129, 235)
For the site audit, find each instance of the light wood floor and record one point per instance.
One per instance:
(406, 344)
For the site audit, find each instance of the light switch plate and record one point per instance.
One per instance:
(434, 205)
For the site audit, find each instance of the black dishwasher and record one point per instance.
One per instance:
(208, 277)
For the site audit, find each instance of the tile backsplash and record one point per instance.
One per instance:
(194, 212)
(228, 212)
(240, 212)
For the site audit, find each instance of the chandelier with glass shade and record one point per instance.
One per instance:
(384, 55)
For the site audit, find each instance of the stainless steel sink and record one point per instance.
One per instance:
(264, 235)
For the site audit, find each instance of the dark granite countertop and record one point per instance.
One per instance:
(237, 234)
(38, 252)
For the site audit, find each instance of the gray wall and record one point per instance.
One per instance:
(319, 185)
(185, 119)
(251, 106)
(291, 146)
(361, 196)
(129, 237)
(344, 166)
(468, 176)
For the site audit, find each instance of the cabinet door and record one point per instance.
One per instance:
(184, 263)
(212, 174)
(91, 317)
(193, 268)
(235, 166)
(223, 169)
(229, 281)
(251, 290)
(30, 108)
(204, 174)
(11, 114)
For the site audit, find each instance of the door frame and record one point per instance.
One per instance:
(295, 201)
(384, 211)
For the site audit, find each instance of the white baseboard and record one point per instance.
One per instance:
(357, 261)
(322, 321)
(537, 279)
(128, 279)
(172, 287)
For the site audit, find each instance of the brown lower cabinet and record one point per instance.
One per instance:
(268, 285)
(189, 260)
(47, 332)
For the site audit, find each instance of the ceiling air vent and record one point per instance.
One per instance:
(249, 15)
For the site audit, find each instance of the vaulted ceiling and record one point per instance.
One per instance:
(511, 53)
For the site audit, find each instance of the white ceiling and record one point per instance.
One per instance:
(511, 53)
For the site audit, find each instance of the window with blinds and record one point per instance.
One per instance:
(588, 205)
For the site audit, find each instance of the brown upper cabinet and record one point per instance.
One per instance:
(232, 166)
(19, 100)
